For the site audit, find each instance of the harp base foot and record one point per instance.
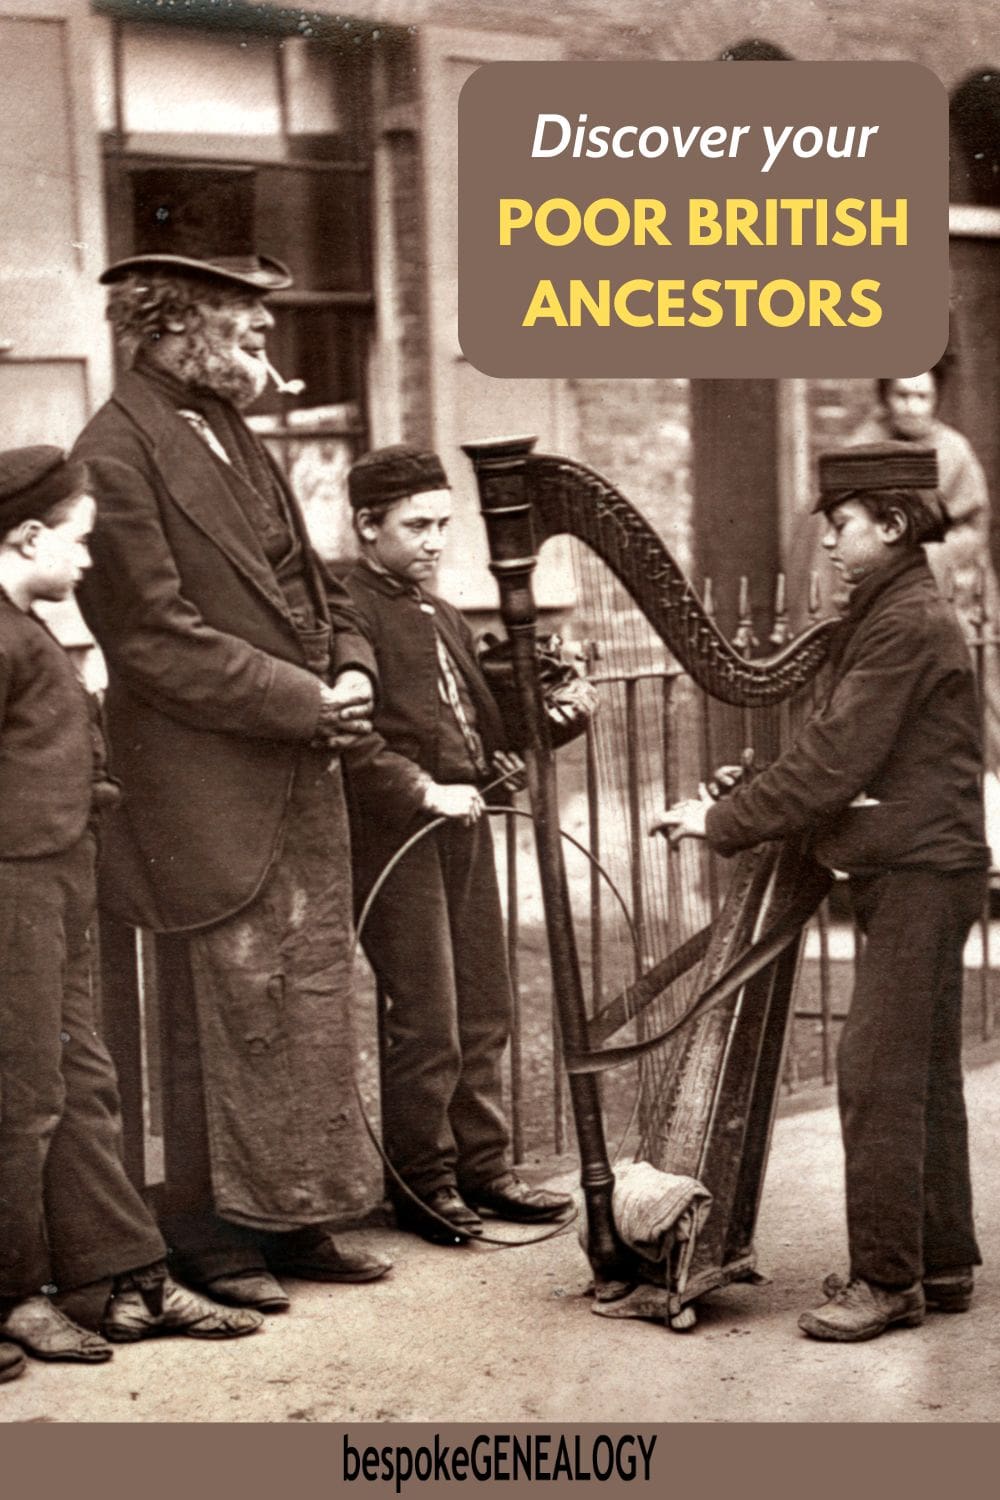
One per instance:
(685, 1319)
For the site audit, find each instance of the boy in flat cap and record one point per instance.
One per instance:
(69, 1216)
(435, 933)
(885, 780)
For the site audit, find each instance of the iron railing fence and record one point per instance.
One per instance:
(132, 968)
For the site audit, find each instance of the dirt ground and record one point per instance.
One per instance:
(494, 1335)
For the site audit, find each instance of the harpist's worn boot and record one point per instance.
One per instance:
(857, 1310)
(949, 1291)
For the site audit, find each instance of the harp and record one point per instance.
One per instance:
(700, 992)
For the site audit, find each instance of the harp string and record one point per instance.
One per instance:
(656, 736)
(640, 755)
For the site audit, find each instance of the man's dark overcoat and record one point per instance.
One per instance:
(231, 829)
(209, 702)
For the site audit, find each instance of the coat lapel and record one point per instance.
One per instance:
(201, 485)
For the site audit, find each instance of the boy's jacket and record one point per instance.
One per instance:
(388, 769)
(900, 728)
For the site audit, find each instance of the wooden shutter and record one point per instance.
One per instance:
(56, 364)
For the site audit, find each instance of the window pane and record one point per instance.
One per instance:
(325, 347)
(191, 82)
(310, 89)
(317, 222)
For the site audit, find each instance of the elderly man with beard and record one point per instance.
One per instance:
(236, 675)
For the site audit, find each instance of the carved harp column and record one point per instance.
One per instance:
(507, 511)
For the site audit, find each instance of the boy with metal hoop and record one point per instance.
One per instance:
(434, 934)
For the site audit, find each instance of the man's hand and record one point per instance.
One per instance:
(454, 801)
(346, 709)
(685, 820)
(353, 694)
(511, 767)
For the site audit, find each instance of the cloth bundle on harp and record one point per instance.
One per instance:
(568, 698)
(659, 1215)
(676, 704)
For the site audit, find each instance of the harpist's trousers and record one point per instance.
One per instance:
(909, 1197)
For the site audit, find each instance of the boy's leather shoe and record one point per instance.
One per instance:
(857, 1310)
(949, 1291)
(134, 1313)
(257, 1289)
(45, 1332)
(314, 1255)
(510, 1197)
(461, 1223)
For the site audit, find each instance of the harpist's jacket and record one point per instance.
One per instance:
(900, 727)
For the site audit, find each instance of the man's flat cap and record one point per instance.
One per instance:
(32, 480)
(875, 466)
(254, 273)
(389, 474)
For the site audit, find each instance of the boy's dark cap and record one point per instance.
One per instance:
(32, 480)
(389, 474)
(872, 467)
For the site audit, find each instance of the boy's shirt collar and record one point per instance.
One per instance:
(389, 581)
(863, 594)
(22, 609)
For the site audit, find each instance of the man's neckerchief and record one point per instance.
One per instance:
(242, 446)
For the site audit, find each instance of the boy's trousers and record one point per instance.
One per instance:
(902, 1110)
(68, 1213)
(435, 938)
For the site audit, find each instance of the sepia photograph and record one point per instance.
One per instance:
(499, 876)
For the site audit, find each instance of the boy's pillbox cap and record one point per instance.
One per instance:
(389, 474)
(34, 479)
(875, 466)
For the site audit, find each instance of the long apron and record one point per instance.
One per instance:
(273, 988)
